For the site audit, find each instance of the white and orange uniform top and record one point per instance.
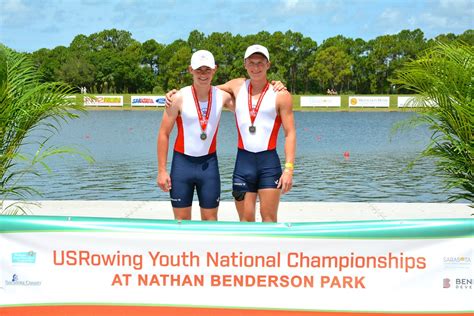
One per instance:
(267, 122)
(188, 140)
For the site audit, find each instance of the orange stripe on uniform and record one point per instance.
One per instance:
(81, 310)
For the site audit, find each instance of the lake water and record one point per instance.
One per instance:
(123, 143)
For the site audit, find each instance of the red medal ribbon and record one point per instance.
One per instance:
(202, 121)
(253, 112)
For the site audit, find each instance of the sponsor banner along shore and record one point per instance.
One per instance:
(80, 266)
(103, 100)
(147, 100)
(308, 101)
(366, 101)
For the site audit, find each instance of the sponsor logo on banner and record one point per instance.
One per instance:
(15, 280)
(446, 283)
(24, 257)
(464, 284)
(334, 101)
(101, 100)
(457, 262)
(139, 100)
(161, 101)
(376, 102)
(457, 283)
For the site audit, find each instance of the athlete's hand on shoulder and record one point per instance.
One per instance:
(164, 181)
(278, 86)
(286, 181)
(169, 95)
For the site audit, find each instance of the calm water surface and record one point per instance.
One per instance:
(123, 143)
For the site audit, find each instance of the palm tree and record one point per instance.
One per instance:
(443, 79)
(27, 104)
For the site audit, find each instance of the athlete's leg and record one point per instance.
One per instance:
(208, 187)
(244, 185)
(182, 213)
(269, 173)
(246, 207)
(209, 214)
(182, 191)
(269, 201)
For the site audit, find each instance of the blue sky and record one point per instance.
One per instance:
(28, 25)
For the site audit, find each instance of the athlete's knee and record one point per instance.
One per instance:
(272, 218)
(238, 195)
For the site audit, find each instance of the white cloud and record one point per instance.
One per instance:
(449, 15)
(390, 16)
(15, 13)
(433, 21)
(457, 6)
(433, 17)
(290, 4)
(92, 2)
(292, 7)
(14, 6)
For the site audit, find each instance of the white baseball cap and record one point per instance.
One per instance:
(202, 58)
(257, 49)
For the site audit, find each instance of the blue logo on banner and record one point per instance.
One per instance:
(161, 100)
(24, 257)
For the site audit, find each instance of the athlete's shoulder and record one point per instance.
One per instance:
(177, 98)
(284, 97)
(185, 89)
(233, 85)
(237, 81)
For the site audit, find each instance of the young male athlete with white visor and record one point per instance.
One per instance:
(196, 110)
(259, 112)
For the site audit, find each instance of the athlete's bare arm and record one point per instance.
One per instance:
(169, 97)
(231, 87)
(285, 110)
(228, 101)
(167, 123)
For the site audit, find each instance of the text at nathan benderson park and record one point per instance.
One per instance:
(292, 260)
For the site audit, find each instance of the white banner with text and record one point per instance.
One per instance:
(244, 268)
(366, 101)
(316, 101)
(103, 100)
(147, 100)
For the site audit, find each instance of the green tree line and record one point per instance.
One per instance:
(111, 61)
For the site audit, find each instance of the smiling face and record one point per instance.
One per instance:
(203, 75)
(257, 66)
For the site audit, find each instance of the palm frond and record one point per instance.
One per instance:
(443, 80)
(26, 105)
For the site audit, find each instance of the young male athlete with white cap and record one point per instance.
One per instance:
(196, 110)
(259, 112)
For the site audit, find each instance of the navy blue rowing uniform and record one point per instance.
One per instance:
(254, 171)
(202, 173)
